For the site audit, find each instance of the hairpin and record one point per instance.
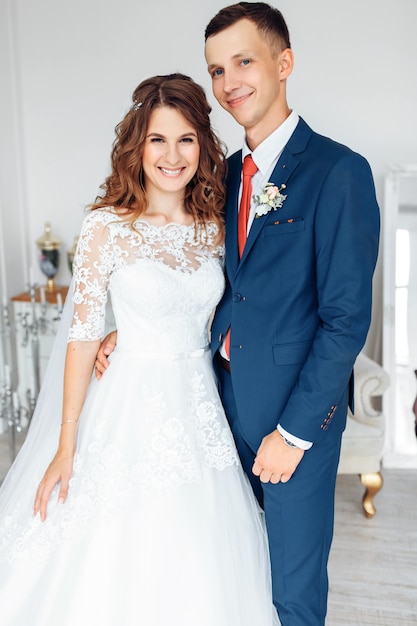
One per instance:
(136, 105)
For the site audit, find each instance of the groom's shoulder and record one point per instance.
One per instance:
(324, 145)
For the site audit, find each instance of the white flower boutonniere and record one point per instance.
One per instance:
(271, 199)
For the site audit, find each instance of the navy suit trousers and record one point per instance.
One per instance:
(299, 516)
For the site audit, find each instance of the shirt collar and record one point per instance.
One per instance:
(269, 150)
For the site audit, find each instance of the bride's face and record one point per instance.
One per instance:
(171, 153)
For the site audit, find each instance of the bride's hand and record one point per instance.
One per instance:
(59, 470)
(106, 348)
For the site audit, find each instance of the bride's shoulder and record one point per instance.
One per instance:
(104, 215)
(98, 226)
(102, 218)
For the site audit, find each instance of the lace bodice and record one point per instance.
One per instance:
(164, 282)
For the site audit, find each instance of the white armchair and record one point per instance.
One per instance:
(363, 439)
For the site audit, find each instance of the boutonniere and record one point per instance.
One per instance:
(271, 199)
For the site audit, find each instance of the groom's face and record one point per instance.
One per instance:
(247, 78)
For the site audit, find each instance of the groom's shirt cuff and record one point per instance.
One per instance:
(300, 443)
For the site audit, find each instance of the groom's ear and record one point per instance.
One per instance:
(286, 63)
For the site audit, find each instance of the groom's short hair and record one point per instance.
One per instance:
(268, 20)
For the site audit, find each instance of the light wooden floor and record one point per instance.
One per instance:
(373, 563)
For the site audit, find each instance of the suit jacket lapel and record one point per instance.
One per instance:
(282, 172)
(231, 212)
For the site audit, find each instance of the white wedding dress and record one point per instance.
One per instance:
(160, 527)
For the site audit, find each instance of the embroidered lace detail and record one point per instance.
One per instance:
(172, 454)
(215, 437)
(108, 244)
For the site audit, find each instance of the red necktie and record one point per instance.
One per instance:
(249, 169)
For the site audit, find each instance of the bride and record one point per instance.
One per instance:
(127, 505)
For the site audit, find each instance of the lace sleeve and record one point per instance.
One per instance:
(92, 266)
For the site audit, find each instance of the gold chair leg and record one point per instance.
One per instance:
(373, 483)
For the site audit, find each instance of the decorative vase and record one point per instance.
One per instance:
(48, 244)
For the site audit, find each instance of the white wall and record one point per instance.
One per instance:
(68, 69)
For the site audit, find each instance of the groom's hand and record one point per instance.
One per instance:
(276, 461)
(106, 348)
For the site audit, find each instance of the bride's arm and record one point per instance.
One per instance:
(92, 266)
(79, 364)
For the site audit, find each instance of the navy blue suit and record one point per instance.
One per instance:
(299, 307)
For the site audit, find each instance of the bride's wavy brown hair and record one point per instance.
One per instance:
(125, 189)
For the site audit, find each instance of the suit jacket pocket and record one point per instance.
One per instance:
(291, 353)
(284, 227)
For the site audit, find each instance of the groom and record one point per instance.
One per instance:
(297, 304)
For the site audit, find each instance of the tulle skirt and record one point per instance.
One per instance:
(160, 528)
